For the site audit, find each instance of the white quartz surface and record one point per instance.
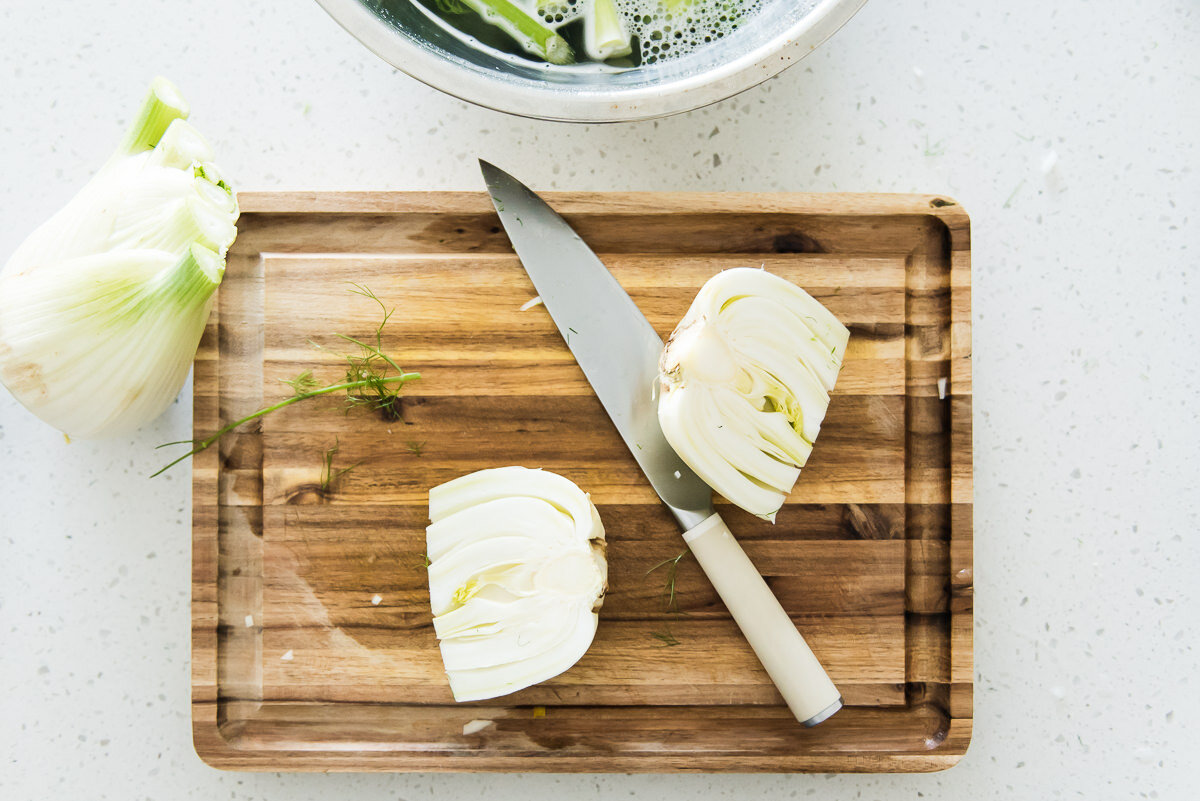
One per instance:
(1086, 343)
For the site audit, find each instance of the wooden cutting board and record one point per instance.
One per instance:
(312, 643)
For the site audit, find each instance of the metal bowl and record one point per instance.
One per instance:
(410, 38)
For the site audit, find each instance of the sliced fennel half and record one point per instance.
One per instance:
(516, 575)
(746, 378)
(102, 307)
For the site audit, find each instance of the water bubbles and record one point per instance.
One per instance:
(663, 30)
(558, 12)
(671, 29)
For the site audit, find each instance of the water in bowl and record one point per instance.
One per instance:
(615, 34)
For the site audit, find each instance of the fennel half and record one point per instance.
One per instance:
(745, 379)
(516, 574)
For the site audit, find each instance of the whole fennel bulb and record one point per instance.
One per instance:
(103, 306)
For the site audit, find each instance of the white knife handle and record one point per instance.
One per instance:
(789, 661)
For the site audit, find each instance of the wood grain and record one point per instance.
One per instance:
(312, 642)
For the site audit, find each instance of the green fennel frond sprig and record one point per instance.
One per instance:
(669, 598)
(670, 601)
(373, 380)
(329, 476)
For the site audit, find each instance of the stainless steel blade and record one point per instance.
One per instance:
(612, 340)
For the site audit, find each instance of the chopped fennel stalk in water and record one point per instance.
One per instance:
(604, 33)
(619, 34)
(532, 36)
(102, 307)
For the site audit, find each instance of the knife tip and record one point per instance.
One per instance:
(489, 170)
(498, 181)
(493, 176)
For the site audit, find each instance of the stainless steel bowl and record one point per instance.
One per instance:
(411, 39)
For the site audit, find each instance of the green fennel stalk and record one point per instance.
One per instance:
(162, 106)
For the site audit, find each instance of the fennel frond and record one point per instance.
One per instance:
(329, 476)
(304, 382)
(373, 380)
(665, 637)
(669, 598)
(670, 601)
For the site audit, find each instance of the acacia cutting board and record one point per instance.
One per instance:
(312, 643)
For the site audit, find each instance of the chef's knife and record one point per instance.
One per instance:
(618, 350)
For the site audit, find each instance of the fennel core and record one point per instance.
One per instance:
(369, 382)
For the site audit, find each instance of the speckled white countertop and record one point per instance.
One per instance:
(1086, 343)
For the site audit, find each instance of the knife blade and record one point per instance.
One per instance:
(618, 350)
(611, 339)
